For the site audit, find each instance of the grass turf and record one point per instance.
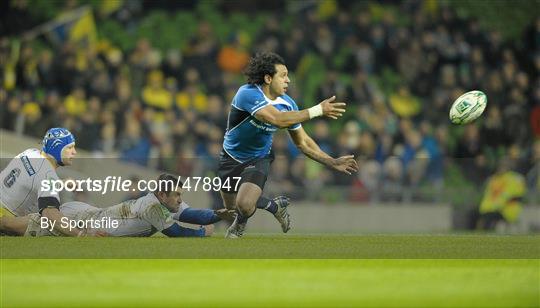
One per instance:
(279, 247)
(508, 273)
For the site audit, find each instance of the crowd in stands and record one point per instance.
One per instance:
(167, 108)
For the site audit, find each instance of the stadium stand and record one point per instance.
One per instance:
(102, 72)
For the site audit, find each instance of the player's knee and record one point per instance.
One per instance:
(246, 205)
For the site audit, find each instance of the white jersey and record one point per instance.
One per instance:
(140, 217)
(20, 185)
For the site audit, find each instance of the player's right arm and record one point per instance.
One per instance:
(162, 221)
(203, 216)
(346, 164)
(327, 107)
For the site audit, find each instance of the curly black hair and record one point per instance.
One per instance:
(262, 64)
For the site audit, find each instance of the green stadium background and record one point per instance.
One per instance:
(145, 87)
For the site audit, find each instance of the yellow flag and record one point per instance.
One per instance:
(83, 29)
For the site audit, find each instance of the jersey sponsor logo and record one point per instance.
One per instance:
(263, 126)
(28, 166)
(10, 179)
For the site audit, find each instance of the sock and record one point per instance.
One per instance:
(241, 218)
(267, 204)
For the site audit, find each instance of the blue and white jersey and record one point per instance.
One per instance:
(246, 137)
(21, 182)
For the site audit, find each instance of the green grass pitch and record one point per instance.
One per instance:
(273, 270)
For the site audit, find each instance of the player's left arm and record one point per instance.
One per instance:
(346, 164)
(283, 119)
(175, 230)
(203, 216)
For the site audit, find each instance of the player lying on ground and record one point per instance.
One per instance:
(258, 110)
(157, 211)
(20, 183)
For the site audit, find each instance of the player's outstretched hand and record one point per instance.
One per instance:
(208, 230)
(332, 109)
(226, 214)
(346, 164)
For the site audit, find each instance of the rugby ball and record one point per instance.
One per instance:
(468, 107)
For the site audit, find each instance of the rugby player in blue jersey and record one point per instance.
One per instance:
(258, 110)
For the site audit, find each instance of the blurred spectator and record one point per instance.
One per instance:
(107, 140)
(370, 176)
(321, 135)
(279, 180)
(134, 146)
(89, 127)
(434, 172)
(191, 97)
(535, 119)
(201, 52)
(503, 197)
(493, 130)
(75, 103)
(293, 49)
(392, 180)
(333, 86)
(514, 116)
(404, 104)
(155, 96)
(167, 159)
(533, 174)
(469, 155)
(11, 112)
(233, 57)
(31, 113)
(298, 178)
(361, 90)
(415, 158)
(172, 66)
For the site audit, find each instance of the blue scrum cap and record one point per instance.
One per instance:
(55, 140)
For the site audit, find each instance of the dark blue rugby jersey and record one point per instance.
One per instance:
(246, 137)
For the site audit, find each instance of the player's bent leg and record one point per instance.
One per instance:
(282, 215)
(229, 200)
(278, 208)
(74, 208)
(246, 202)
(14, 225)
